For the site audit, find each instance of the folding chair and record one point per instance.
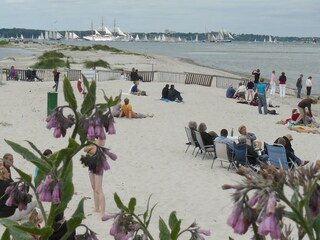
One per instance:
(278, 158)
(240, 157)
(222, 153)
(205, 148)
(191, 140)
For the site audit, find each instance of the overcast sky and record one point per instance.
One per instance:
(271, 17)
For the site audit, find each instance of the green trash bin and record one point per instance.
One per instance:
(52, 102)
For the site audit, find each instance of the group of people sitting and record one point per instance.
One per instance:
(125, 110)
(256, 152)
(171, 94)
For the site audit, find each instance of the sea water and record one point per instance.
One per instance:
(239, 57)
(8, 52)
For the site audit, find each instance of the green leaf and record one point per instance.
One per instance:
(85, 82)
(295, 199)
(89, 100)
(67, 186)
(35, 148)
(173, 220)
(164, 231)
(76, 219)
(119, 203)
(292, 216)
(132, 205)
(25, 153)
(6, 235)
(316, 225)
(176, 230)
(68, 94)
(15, 232)
(150, 216)
(31, 228)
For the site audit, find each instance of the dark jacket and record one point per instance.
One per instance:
(256, 76)
(306, 103)
(133, 76)
(282, 79)
(299, 83)
(288, 145)
(5, 211)
(165, 92)
(173, 94)
(206, 138)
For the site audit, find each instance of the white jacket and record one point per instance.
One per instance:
(308, 82)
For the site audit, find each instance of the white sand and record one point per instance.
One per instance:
(151, 157)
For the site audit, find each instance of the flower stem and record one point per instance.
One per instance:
(144, 228)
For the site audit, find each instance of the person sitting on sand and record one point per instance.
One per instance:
(302, 105)
(126, 110)
(135, 91)
(230, 92)
(290, 155)
(206, 137)
(241, 92)
(165, 92)
(13, 74)
(251, 137)
(174, 95)
(252, 155)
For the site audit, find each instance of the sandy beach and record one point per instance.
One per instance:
(151, 152)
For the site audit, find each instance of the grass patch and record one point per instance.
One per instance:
(51, 59)
(3, 42)
(98, 63)
(98, 47)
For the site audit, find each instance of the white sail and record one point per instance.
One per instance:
(46, 35)
(196, 38)
(21, 37)
(163, 38)
(179, 39)
(270, 39)
(58, 36)
(264, 40)
(96, 32)
(66, 35)
(119, 32)
(230, 36)
(145, 37)
(74, 36)
(106, 31)
(137, 38)
(41, 37)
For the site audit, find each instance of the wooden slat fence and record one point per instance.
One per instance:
(199, 79)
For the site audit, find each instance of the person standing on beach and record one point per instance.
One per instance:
(302, 105)
(282, 84)
(299, 86)
(261, 91)
(250, 91)
(273, 83)
(96, 179)
(56, 76)
(256, 74)
(133, 75)
(309, 85)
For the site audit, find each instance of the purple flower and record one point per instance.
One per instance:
(205, 232)
(102, 135)
(111, 128)
(107, 217)
(242, 225)
(51, 121)
(144, 237)
(97, 129)
(270, 225)
(56, 194)
(110, 154)
(10, 201)
(253, 200)
(57, 132)
(114, 230)
(90, 131)
(22, 206)
(45, 196)
(271, 205)
(234, 216)
(9, 189)
(105, 165)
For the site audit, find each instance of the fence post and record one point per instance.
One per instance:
(52, 102)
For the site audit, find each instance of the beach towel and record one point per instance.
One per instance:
(166, 100)
(303, 129)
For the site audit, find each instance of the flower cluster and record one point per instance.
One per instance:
(98, 162)
(98, 124)
(18, 195)
(59, 122)
(261, 199)
(125, 227)
(49, 190)
(197, 233)
(87, 235)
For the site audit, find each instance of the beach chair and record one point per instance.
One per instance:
(191, 140)
(205, 148)
(222, 153)
(278, 158)
(240, 157)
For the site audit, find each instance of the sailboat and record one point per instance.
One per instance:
(222, 37)
(270, 39)
(105, 35)
(137, 38)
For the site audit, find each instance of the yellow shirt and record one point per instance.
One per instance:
(126, 110)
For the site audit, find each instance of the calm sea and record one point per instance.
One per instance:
(7, 52)
(241, 57)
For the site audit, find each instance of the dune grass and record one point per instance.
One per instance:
(98, 63)
(50, 60)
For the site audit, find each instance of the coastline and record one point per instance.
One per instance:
(151, 152)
